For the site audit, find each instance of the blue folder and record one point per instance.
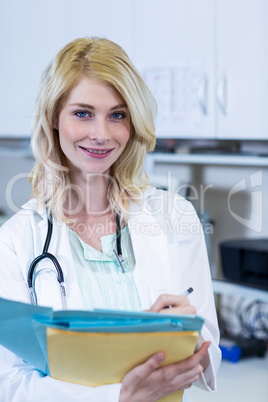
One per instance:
(23, 326)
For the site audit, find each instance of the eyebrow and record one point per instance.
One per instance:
(87, 106)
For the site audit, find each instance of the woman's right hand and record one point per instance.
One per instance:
(150, 382)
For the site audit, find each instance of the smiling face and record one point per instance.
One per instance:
(94, 128)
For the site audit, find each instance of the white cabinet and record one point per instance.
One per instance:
(174, 48)
(32, 32)
(225, 42)
(112, 20)
(242, 69)
(206, 60)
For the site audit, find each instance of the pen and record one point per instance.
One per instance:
(186, 293)
(119, 262)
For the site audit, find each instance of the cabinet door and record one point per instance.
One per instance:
(174, 47)
(242, 79)
(31, 33)
(105, 18)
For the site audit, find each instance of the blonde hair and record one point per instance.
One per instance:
(105, 60)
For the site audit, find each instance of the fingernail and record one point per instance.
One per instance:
(160, 357)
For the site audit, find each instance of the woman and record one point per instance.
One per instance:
(92, 129)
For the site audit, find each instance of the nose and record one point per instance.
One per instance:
(99, 131)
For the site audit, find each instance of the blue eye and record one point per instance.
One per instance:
(81, 114)
(118, 115)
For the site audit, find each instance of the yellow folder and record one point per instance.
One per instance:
(104, 358)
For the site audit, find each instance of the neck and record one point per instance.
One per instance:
(88, 196)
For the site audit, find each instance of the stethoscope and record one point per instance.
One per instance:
(60, 277)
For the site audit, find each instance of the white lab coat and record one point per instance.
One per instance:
(170, 257)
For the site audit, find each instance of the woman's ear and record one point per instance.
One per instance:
(56, 126)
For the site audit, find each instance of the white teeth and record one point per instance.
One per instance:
(96, 152)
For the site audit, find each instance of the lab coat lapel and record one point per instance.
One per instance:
(152, 269)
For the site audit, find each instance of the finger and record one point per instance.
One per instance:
(198, 356)
(178, 377)
(190, 378)
(168, 300)
(144, 370)
(203, 349)
(199, 343)
(191, 362)
(183, 309)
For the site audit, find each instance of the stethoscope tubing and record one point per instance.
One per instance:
(51, 257)
(45, 254)
(60, 277)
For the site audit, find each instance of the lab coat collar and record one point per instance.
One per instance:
(34, 206)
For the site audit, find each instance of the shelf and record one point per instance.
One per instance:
(15, 147)
(208, 159)
(18, 153)
(229, 288)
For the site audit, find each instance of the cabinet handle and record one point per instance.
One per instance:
(222, 93)
(202, 93)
